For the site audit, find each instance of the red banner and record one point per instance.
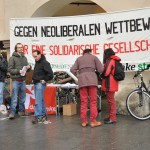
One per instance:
(49, 97)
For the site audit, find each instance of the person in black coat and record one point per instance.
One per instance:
(3, 76)
(41, 75)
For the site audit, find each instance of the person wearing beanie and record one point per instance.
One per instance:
(86, 66)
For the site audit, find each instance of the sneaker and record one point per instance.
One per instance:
(44, 117)
(11, 116)
(109, 122)
(37, 120)
(3, 109)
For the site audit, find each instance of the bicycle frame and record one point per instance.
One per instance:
(141, 88)
(142, 85)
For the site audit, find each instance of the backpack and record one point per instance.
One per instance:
(119, 73)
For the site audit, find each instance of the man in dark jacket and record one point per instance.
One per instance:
(41, 75)
(87, 65)
(3, 75)
(15, 67)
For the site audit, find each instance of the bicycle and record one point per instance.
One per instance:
(138, 101)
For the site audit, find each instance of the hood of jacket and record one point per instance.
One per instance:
(115, 57)
(17, 55)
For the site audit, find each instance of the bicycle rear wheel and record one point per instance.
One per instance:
(138, 104)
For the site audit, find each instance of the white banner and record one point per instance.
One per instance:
(62, 39)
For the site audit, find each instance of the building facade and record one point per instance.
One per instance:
(51, 8)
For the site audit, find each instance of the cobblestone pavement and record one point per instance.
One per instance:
(66, 133)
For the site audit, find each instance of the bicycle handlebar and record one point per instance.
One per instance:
(138, 73)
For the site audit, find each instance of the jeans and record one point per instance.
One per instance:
(39, 108)
(18, 96)
(1, 92)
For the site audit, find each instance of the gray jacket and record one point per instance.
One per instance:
(15, 64)
(87, 65)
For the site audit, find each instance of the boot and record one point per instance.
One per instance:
(84, 124)
(95, 123)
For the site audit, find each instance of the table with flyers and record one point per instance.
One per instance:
(50, 96)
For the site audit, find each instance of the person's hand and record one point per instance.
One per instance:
(43, 81)
(21, 72)
(1, 56)
(28, 67)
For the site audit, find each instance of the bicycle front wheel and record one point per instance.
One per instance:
(138, 104)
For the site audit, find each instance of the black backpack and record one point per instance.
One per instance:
(119, 73)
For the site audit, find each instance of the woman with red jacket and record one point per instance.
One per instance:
(109, 84)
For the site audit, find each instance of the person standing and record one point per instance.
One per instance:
(86, 66)
(109, 84)
(41, 75)
(15, 67)
(3, 76)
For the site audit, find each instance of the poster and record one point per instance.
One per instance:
(63, 39)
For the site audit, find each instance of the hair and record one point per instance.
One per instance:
(108, 53)
(37, 51)
(17, 45)
(87, 51)
(3, 54)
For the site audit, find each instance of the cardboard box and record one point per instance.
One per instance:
(69, 109)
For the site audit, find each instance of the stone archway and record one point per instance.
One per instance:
(67, 8)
